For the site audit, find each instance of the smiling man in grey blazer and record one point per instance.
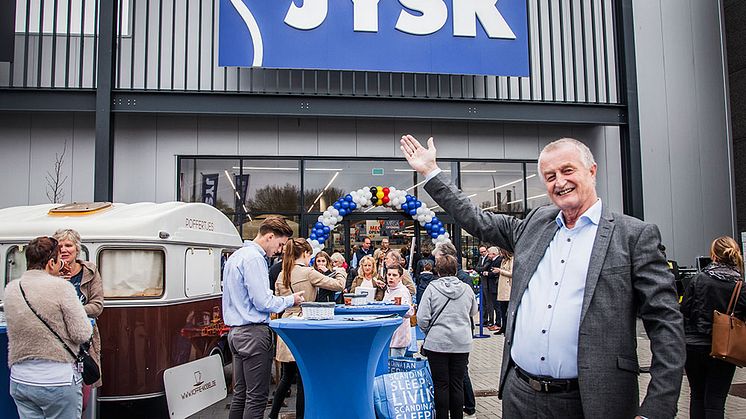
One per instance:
(581, 277)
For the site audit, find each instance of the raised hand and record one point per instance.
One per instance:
(298, 297)
(419, 158)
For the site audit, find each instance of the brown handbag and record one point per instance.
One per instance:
(729, 333)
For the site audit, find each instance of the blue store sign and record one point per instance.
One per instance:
(487, 37)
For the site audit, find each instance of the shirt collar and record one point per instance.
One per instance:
(591, 215)
(251, 243)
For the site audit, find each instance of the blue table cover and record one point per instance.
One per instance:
(337, 360)
(380, 309)
(7, 405)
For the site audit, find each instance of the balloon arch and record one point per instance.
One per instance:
(376, 196)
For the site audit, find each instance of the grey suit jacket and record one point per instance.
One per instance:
(627, 277)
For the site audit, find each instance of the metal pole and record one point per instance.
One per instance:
(103, 172)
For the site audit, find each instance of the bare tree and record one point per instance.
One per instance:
(55, 179)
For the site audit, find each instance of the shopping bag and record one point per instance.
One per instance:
(402, 364)
(405, 394)
(412, 348)
(729, 333)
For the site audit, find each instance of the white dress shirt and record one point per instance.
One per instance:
(545, 341)
(247, 298)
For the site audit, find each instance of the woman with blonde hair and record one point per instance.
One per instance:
(296, 276)
(84, 276)
(709, 378)
(367, 276)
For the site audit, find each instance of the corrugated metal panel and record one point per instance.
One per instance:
(172, 45)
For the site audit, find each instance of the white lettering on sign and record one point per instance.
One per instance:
(309, 16)
(466, 13)
(365, 15)
(195, 224)
(429, 17)
(433, 15)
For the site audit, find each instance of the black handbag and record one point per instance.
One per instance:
(424, 351)
(86, 364)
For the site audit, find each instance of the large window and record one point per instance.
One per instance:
(496, 187)
(249, 190)
(132, 273)
(535, 189)
(325, 181)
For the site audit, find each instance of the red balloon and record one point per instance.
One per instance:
(386, 191)
(385, 199)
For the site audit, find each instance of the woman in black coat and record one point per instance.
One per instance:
(709, 378)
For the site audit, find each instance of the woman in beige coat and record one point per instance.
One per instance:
(297, 276)
(504, 285)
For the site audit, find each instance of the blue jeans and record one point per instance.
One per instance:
(35, 402)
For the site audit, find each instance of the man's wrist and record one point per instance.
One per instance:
(432, 173)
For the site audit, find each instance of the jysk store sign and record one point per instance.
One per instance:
(487, 37)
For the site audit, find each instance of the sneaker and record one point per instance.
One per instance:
(470, 416)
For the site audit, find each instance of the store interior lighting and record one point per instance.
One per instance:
(324, 190)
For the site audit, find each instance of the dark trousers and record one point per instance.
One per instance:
(448, 380)
(470, 402)
(488, 307)
(709, 381)
(251, 347)
(521, 401)
(502, 314)
(289, 373)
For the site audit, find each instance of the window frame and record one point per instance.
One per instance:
(160, 249)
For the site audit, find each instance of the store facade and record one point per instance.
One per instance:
(147, 113)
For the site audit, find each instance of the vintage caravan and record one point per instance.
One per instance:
(161, 270)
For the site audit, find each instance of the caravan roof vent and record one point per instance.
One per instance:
(80, 208)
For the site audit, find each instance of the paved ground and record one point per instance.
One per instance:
(484, 364)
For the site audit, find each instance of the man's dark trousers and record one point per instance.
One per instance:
(251, 346)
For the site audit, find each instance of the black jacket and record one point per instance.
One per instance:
(710, 290)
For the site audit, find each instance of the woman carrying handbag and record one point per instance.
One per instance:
(710, 290)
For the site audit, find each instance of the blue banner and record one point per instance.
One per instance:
(484, 37)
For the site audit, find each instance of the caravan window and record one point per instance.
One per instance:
(15, 262)
(129, 273)
(199, 272)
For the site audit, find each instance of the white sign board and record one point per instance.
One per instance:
(193, 386)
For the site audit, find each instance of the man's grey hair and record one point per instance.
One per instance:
(444, 249)
(586, 157)
(493, 249)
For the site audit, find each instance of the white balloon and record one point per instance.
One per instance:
(334, 212)
(420, 210)
(326, 213)
(428, 218)
(422, 221)
(313, 242)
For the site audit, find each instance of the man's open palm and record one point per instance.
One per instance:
(419, 158)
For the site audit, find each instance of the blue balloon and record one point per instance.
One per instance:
(411, 198)
(353, 205)
(428, 226)
(337, 205)
(405, 207)
(434, 234)
(326, 229)
(318, 225)
(345, 204)
(312, 236)
(435, 220)
(321, 240)
(348, 198)
(413, 211)
(417, 204)
(322, 232)
(313, 259)
(442, 230)
(342, 212)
